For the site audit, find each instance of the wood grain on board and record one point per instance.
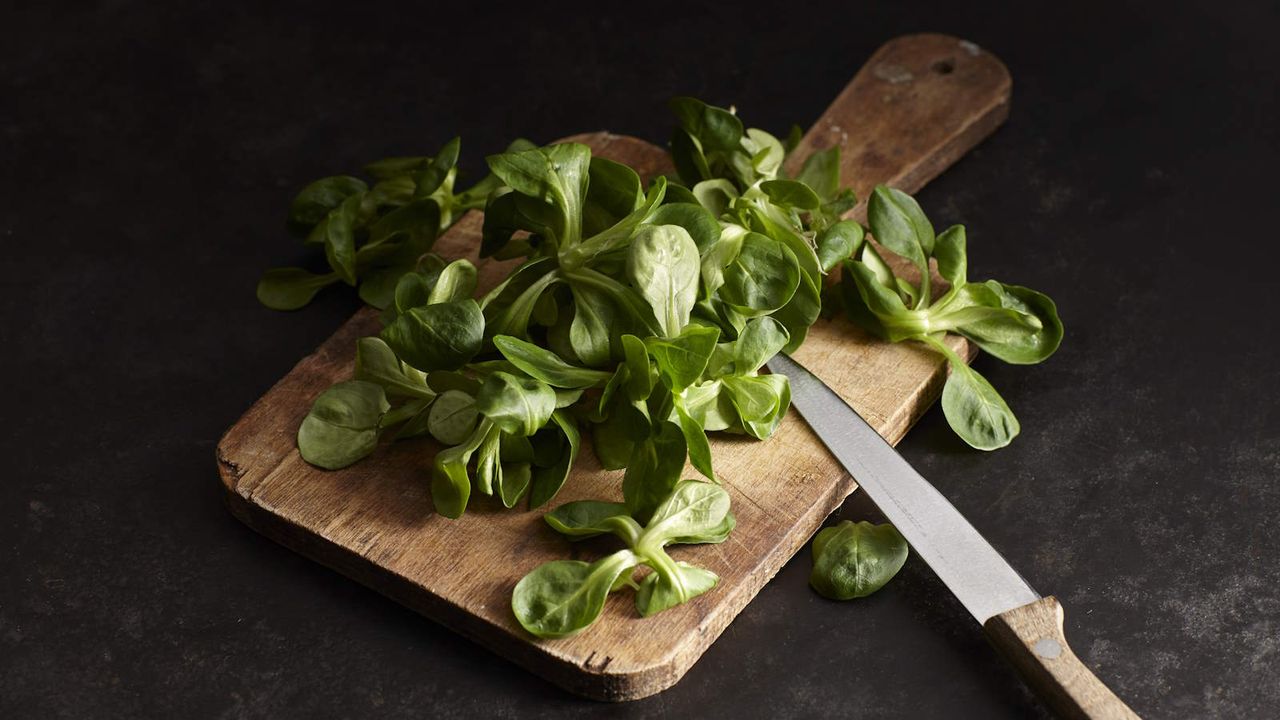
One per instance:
(915, 107)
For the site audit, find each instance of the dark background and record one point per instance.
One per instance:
(149, 154)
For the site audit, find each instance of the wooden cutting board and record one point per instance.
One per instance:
(917, 105)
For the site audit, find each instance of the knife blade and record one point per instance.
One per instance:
(981, 579)
(1025, 627)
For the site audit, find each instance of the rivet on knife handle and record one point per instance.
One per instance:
(1031, 639)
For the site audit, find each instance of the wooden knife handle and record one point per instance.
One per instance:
(1031, 639)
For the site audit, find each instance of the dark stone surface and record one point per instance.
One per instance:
(149, 153)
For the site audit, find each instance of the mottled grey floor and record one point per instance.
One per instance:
(149, 153)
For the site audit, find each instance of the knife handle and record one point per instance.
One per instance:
(1031, 639)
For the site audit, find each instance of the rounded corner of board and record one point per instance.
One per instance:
(229, 471)
(946, 54)
(620, 687)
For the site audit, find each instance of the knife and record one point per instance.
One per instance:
(1024, 627)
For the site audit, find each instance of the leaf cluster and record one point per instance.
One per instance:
(633, 312)
(1013, 323)
(640, 314)
(374, 231)
(562, 597)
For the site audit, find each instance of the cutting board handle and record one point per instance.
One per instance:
(911, 111)
(1031, 639)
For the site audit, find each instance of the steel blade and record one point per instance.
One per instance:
(984, 581)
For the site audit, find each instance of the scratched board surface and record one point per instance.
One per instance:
(916, 106)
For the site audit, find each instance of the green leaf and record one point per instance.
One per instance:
(557, 175)
(716, 128)
(563, 597)
(695, 438)
(878, 298)
(898, 223)
(791, 193)
(613, 192)
(708, 536)
(456, 282)
(512, 318)
(654, 469)
(700, 224)
(342, 426)
(501, 221)
(450, 484)
(780, 395)
(821, 172)
(753, 397)
(639, 380)
(682, 359)
(949, 250)
(693, 509)
(708, 406)
(975, 410)
(291, 288)
(571, 163)
(337, 232)
(718, 257)
(800, 312)
(566, 398)
(767, 153)
(453, 417)
(588, 518)
(853, 560)
(612, 438)
(417, 424)
(434, 174)
(318, 199)
(378, 286)
(513, 482)
(767, 224)
(677, 193)
(445, 380)
(1030, 338)
(391, 192)
(546, 365)
(489, 463)
(838, 243)
(413, 289)
(437, 337)
(376, 363)
(716, 195)
(834, 209)
(594, 322)
(762, 278)
(687, 156)
(599, 248)
(762, 338)
(547, 481)
(519, 406)
(418, 223)
(661, 590)
(663, 265)
(870, 257)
